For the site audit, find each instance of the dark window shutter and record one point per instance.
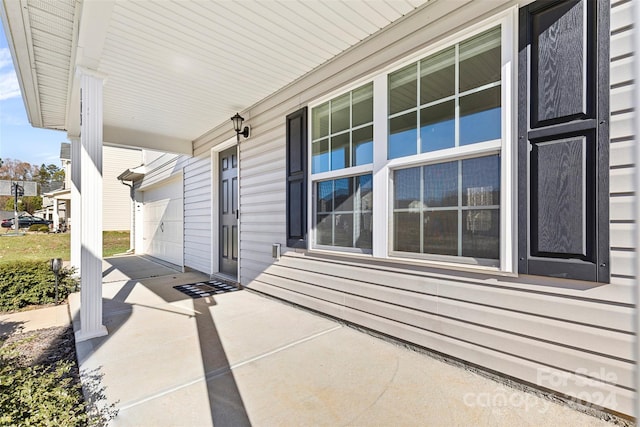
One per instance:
(563, 149)
(297, 179)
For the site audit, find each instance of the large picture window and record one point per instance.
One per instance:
(431, 150)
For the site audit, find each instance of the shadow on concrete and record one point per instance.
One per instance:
(135, 267)
(226, 406)
(106, 272)
(225, 401)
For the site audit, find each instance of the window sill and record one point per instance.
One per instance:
(405, 265)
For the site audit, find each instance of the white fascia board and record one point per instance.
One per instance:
(130, 138)
(17, 29)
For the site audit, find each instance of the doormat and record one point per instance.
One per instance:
(205, 289)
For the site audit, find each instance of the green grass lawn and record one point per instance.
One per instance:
(43, 246)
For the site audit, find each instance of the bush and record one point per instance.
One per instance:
(39, 227)
(24, 283)
(39, 395)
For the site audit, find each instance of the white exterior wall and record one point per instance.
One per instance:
(162, 224)
(116, 205)
(160, 207)
(197, 214)
(521, 327)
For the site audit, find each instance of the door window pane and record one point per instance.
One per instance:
(403, 87)
(480, 116)
(437, 127)
(438, 76)
(402, 136)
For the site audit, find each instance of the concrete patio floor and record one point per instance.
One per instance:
(241, 359)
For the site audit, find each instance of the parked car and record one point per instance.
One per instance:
(25, 221)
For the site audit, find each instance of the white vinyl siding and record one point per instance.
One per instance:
(622, 142)
(197, 213)
(262, 202)
(514, 325)
(116, 205)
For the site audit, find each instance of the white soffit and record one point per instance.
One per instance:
(48, 47)
(181, 68)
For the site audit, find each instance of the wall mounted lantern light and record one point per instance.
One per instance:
(237, 126)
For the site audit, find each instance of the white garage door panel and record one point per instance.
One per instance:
(162, 227)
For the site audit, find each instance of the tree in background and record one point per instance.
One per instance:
(50, 177)
(25, 203)
(17, 170)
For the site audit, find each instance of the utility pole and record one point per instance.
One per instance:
(16, 191)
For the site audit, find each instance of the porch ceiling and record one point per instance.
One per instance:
(175, 70)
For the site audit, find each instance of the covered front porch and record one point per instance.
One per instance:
(166, 77)
(239, 358)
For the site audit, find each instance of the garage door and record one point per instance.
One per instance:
(162, 221)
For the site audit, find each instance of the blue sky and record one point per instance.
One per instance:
(18, 139)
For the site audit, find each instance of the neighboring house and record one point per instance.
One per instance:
(57, 201)
(117, 211)
(457, 175)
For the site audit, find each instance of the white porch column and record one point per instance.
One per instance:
(74, 219)
(91, 205)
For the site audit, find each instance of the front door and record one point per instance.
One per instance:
(229, 212)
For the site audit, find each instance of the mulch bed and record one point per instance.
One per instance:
(45, 347)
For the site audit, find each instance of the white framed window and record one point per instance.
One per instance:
(441, 155)
(342, 131)
(341, 164)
